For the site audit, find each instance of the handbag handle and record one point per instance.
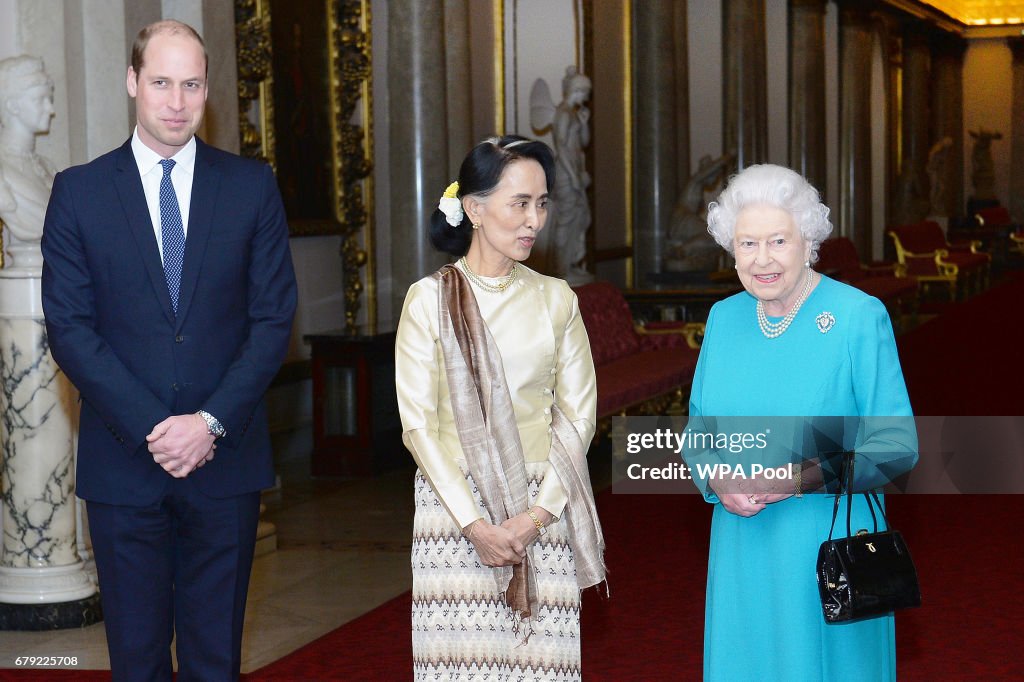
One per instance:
(846, 488)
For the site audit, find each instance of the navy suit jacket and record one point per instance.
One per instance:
(112, 330)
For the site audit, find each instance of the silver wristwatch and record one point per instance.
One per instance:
(213, 425)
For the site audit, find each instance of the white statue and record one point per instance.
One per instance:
(569, 123)
(690, 247)
(912, 202)
(937, 157)
(983, 174)
(26, 107)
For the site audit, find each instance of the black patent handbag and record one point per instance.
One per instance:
(867, 574)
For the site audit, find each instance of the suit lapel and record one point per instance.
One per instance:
(205, 186)
(133, 201)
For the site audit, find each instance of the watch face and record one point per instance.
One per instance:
(213, 425)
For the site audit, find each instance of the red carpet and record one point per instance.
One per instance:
(967, 361)
(651, 628)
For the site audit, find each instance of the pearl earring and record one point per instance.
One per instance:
(807, 263)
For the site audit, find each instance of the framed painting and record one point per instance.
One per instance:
(305, 108)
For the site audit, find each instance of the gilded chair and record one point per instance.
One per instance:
(999, 217)
(923, 252)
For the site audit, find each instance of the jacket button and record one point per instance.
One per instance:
(179, 339)
(174, 386)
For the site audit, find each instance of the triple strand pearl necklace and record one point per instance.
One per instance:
(773, 330)
(487, 286)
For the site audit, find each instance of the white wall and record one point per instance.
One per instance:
(988, 80)
(321, 308)
(8, 35)
(540, 42)
(704, 45)
(187, 11)
(777, 67)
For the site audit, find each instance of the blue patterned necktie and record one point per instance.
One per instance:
(173, 234)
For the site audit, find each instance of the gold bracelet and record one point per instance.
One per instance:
(799, 477)
(541, 530)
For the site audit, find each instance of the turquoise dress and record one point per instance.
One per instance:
(763, 617)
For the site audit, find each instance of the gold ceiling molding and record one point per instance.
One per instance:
(982, 12)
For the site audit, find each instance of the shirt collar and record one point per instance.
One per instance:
(146, 159)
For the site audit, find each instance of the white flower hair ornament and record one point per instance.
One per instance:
(451, 205)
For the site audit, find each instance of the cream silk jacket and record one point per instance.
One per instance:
(545, 351)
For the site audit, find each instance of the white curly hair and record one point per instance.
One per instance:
(771, 185)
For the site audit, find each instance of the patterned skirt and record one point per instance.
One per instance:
(461, 628)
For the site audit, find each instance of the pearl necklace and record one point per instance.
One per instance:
(487, 286)
(774, 330)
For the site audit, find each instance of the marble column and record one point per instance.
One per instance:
(460, 107)
(912, 201)
(418, 135)
(745, 75)
(889, 29)
(947, 113)
(1017, 132)
(807, 90)
(43, 583)
(681, 67)
(655, 162)
(855, 211)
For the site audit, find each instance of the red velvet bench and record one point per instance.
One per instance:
(640, 370)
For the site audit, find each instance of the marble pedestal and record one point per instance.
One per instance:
(43, 582)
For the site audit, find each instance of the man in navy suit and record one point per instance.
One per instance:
(169, 295)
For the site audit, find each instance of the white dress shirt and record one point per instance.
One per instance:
(152, 173)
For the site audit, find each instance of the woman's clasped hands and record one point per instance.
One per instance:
(505, 544)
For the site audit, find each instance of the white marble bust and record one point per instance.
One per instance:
(26, 107)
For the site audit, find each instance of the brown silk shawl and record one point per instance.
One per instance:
(485, 421)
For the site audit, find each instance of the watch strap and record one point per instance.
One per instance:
(213, 425)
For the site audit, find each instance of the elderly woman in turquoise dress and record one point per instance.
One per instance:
(795, 344)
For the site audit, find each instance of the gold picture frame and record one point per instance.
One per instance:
(305, 107)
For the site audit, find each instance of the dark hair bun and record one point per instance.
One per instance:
(448, 239)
